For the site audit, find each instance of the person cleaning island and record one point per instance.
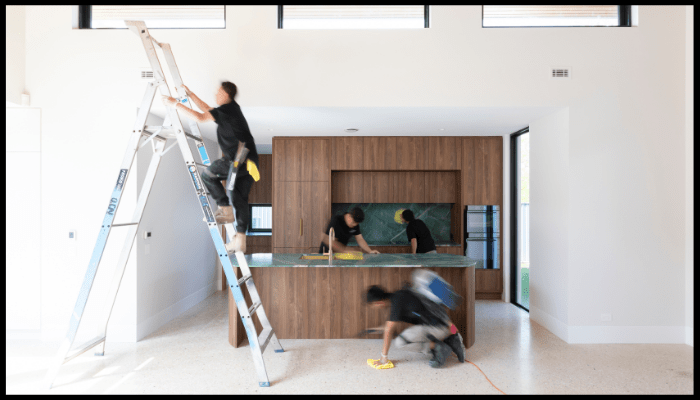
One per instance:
(233, 135)
(418, 234)
(432, 332)
(344, 227)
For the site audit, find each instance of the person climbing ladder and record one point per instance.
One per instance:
(233, 135)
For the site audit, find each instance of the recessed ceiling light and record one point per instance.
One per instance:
(351, 129)
(442, 129)
(270, 130)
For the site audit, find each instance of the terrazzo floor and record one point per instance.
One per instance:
(191, 354)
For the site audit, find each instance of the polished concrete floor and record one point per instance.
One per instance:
(191, 354)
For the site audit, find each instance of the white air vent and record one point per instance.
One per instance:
(146, 74)
(561, 72)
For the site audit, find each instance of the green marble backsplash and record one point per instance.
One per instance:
(380, 228)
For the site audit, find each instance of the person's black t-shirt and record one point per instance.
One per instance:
(406, 307)
(232, 128)
(341, 230)
(417, 229)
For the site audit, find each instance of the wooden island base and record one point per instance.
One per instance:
(328, 302)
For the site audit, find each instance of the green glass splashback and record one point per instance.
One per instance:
(380, 228)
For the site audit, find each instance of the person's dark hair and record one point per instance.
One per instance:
(408, 215)
(357, 215)
(230, 89)
(376, 293)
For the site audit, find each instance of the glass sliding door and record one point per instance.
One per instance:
(520, 218)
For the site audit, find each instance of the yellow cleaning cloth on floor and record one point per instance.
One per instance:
(253, 169)
(388, 364)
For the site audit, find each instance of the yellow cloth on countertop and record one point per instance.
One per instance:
(253, 170)
(388, 364)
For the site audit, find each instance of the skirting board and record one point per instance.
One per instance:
(611, 334)
(134, 333)
(152, 324)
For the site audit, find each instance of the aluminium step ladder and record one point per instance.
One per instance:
(158, 137)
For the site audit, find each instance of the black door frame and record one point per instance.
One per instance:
(514, 228)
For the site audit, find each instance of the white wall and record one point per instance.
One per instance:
(550, 227)
(23, 224)
(689, 187)
(626, 137)
(14, 53)
(178, 270)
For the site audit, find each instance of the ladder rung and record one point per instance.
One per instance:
(264, 338)
(87, 346)
(243, 279)
(125, 224)
(252, 308)
(195, 138)
(202, 165)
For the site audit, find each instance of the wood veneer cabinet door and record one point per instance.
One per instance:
(347, 187)
(378, 187)
(347, 153)
(468, 170)
(315, 202)
(315, 160)
(409, 187)
(411, 153)
(440, 187)
(298, 160)
(380, 153)
(444, 153)
(287, 213)
(261, 191)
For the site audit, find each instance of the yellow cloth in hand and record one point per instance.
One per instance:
(388, 364)
(253, 170)
(235, 164)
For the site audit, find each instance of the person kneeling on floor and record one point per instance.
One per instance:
(431, 334)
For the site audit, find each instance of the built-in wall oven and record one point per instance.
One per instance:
(482, 235)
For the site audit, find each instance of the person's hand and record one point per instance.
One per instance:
(374, 252)
(169, 101)
(381, 361)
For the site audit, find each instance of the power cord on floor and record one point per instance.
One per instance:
(487, 378)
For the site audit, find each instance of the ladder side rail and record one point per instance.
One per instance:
(103, 235)
(220, 248)
(129, 240)
(255, 298)
(177, 81)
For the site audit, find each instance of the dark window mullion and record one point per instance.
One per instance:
(84, 17)
(624, 14)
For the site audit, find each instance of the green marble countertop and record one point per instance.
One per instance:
(370, 260)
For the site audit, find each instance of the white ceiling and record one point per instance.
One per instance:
(266, 122)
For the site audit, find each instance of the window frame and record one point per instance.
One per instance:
(250, 210)
(280, 16)
(85, 20)
(514, 227)
(624, 20)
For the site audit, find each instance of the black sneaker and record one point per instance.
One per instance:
(440, 354)
(457, 345)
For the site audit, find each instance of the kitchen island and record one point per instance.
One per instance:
(310, 299)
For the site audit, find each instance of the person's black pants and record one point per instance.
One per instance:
(212, 177)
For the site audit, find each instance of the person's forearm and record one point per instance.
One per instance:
(414, 245)
(189, 112)
(200, 104)
(337, 246)
(387, 342)
(363, 246)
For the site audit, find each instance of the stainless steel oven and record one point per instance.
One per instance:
(482, 235)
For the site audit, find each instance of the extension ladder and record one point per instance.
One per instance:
(158, 136)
